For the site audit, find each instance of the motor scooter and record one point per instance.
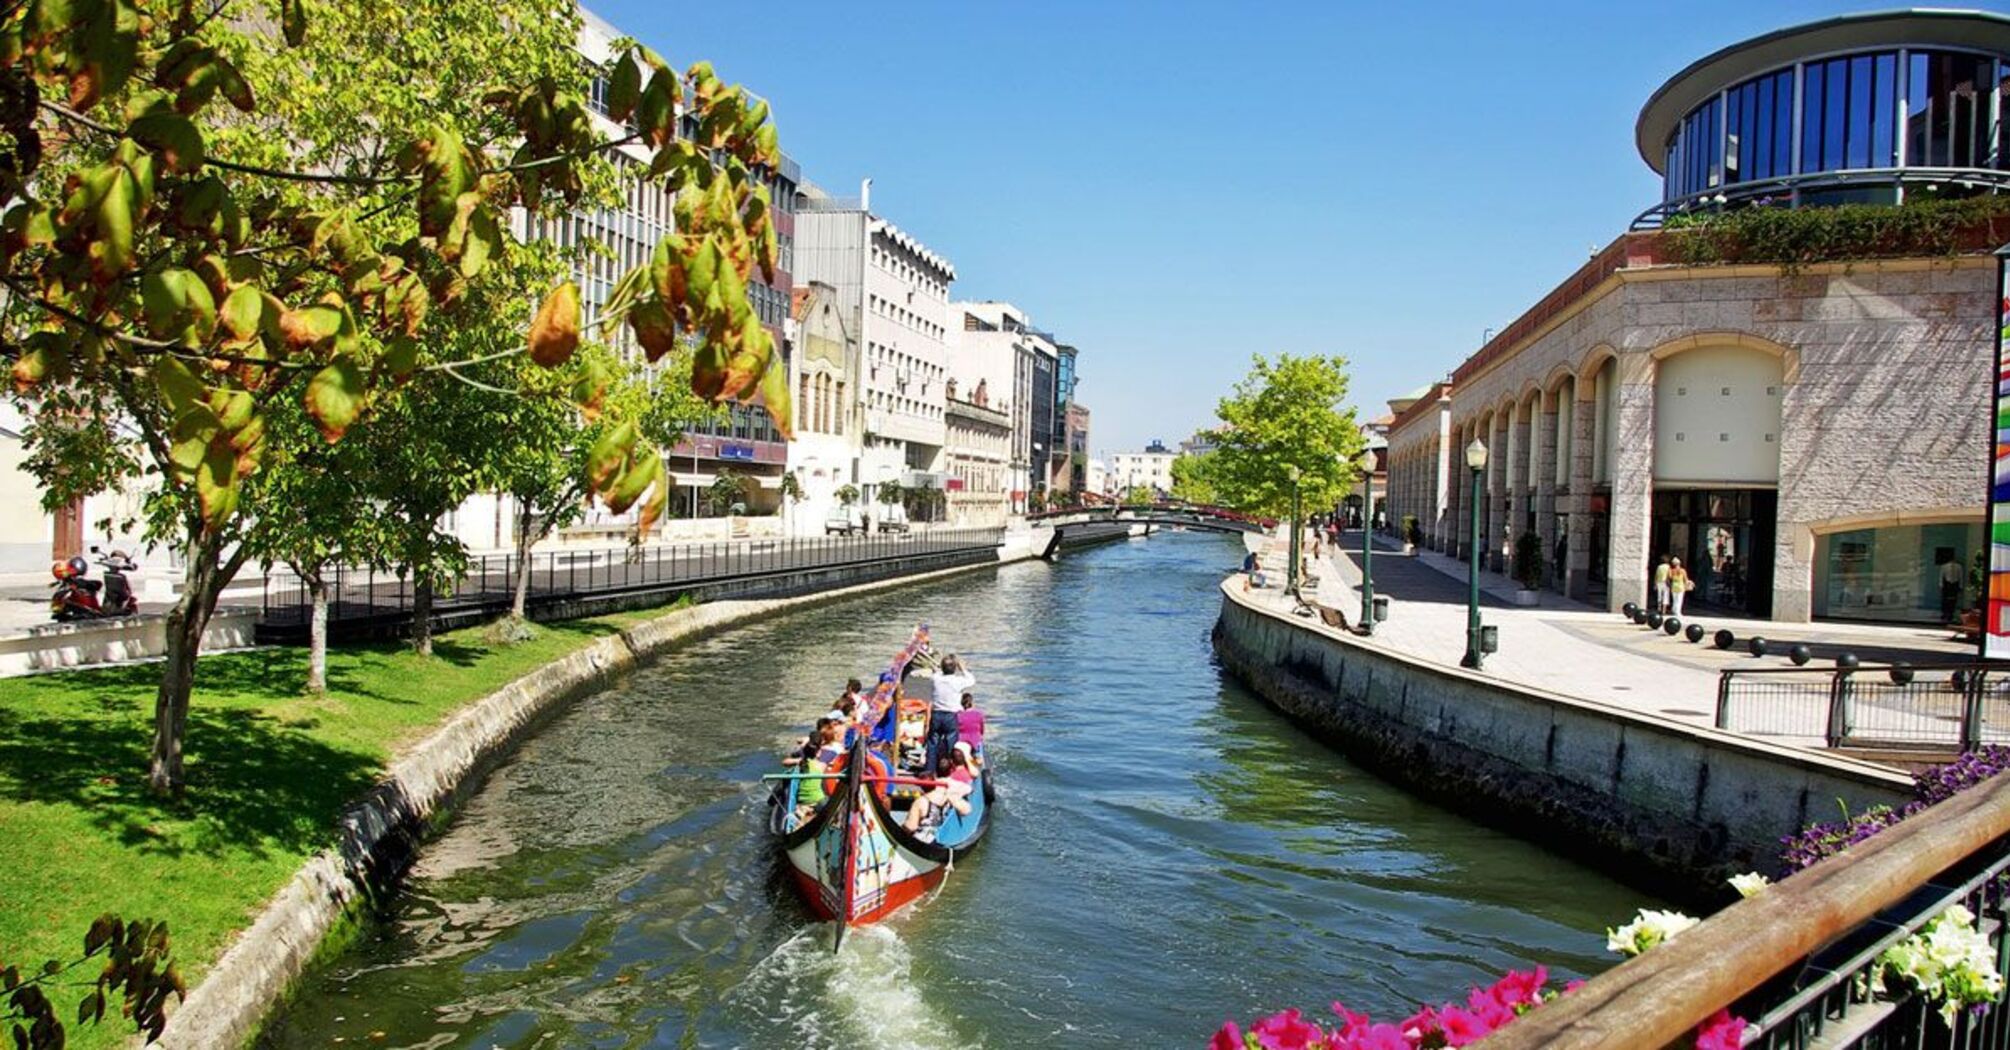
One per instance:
(75, 597)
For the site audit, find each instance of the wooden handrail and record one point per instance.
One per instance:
(1658, 998)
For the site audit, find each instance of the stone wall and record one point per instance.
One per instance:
(84, 643)
(1659, 804)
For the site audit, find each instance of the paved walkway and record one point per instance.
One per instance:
(1569, 647)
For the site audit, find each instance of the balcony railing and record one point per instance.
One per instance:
(1943, 705)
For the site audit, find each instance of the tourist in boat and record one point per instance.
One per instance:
(810, 793)
(962, 769)
(806, 747)
(970, 727)
(952, 680)
(925, 816)
(833, 743)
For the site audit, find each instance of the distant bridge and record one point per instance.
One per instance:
(1182, 515)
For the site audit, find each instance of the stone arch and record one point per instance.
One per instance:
(1552, 385)
(1717, 408)
(1593, 360)
(1790, 359)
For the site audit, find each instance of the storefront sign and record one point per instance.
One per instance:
(736, 450)
(1996, 605)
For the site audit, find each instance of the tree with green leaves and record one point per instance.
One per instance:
(1192, 478)
(209, 208)
(1286, 414)
(1139, 496)
(728, 490)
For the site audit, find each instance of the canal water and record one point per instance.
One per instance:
(1168, 853)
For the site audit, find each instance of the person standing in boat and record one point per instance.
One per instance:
(952, 680)
(970, 726)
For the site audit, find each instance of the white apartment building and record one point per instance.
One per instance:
(994, 347)
(1151, 468)
(895, 292)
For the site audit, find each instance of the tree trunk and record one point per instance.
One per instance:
(422, 611)
(317, 633)
(186, 623)
(520, 595)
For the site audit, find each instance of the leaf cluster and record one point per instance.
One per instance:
(137, 966)
(1798, 237)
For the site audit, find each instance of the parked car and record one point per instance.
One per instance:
(892, 517)
(843, 521)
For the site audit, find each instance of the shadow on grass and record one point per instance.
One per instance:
(255, 787)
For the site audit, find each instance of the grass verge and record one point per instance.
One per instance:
(269, 768)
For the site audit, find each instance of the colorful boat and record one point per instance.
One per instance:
(853, 857)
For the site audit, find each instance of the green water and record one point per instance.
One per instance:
(1168, 852)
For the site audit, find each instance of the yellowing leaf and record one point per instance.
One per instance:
(335, 398)
(311, 326)
(609, 454)
(112, 251)
(554, 333)
(173, 136)
(243, 312)
(624, 86)
(654, 328)
(775, 395)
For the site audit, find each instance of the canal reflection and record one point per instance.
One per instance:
(1169, 853)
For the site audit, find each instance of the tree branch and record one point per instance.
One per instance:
(73, 116)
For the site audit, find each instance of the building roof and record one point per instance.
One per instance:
(1727, 67)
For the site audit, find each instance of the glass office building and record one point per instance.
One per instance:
(1858, 109)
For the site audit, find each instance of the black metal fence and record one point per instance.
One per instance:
(570, 574)
(1937, 705)
(1835, 997)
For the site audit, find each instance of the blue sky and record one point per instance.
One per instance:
(1173, 187)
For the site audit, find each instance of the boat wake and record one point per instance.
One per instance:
(864, 994)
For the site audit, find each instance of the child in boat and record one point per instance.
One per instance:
(925, 817)
(970, 728)
(806, 747)
(962, 770)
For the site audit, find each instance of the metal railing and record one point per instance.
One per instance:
(568, 574)
(1795, 960)
(1938, 705)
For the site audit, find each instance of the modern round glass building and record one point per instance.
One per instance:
(1864, 108)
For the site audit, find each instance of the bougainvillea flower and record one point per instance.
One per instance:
(1521, 987)
(1229, 1038)
(1489, 1005)
(1420, 1024)
(1350, 1022)
(1376, 1037)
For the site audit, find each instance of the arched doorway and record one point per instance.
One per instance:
(1717, 472)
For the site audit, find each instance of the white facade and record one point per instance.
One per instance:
(994, 346)
(824, 364)
(1150, 469)
(895, 292)
(1098, 479)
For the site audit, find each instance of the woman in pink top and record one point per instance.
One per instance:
(970, 726)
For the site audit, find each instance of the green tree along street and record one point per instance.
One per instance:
(205, 216)
(1192, 478)
(1285, 414)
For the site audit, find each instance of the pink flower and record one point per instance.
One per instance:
(1418, 1025)
(1572, 986)
(1229, 1038)
(1374, 1037)
(1350, 1022)
(1462, 1027)
(1491, 1005)
(1286, 1031)
(1721, 1032)
(1521, 988)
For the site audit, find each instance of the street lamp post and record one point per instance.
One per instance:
(1291, 571)
(1476, 460)
(1368, 544)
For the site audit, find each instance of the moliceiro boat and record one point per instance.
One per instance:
(852, 853)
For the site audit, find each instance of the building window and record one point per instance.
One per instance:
(1907, 573)
(1947, 110)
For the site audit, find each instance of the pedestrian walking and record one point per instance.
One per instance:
(1661, 604)
(1678, 585)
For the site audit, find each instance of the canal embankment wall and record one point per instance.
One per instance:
(1663, 805)
(378, 835)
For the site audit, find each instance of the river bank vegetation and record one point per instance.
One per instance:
(270, 769)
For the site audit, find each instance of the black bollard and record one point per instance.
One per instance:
(1757, 646)
(1800, 655)
(1695, 632)
(1725, 639)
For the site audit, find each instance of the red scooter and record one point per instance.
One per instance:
(74, 597)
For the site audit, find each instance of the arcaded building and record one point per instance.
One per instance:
(1812, 441)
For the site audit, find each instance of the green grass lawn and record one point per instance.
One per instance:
(268, 771)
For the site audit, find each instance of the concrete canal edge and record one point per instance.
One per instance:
(1659, 804)
(378, 834)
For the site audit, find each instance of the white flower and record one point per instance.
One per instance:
(1647, 929)
(1750, 883)
(1948, 961)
